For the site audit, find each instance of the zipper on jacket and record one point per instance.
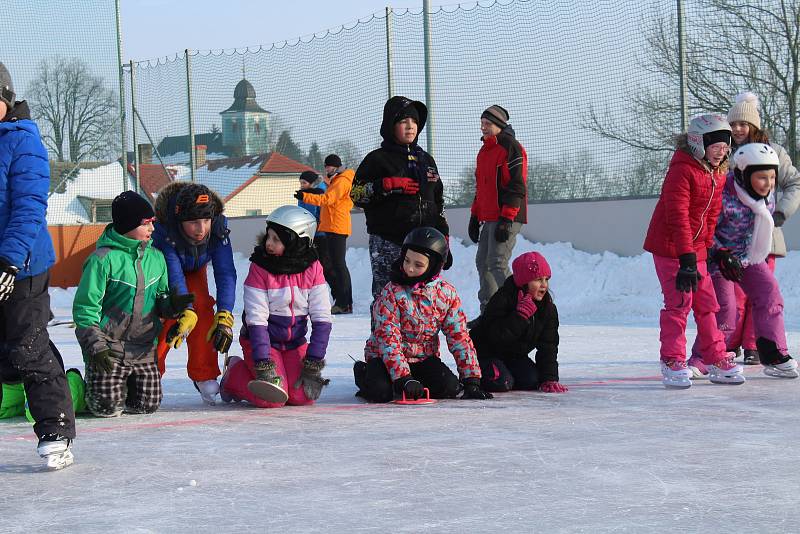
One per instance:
(703, 215)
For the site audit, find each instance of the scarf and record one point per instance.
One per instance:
(761, 240)
(284, 264)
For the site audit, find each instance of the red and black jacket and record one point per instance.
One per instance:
(501, 176)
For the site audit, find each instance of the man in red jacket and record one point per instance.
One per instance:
(500, 206)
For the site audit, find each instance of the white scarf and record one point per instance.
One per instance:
(763, 225)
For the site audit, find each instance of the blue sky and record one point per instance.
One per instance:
(155, 28)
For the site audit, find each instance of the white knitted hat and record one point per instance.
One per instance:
(745, 109)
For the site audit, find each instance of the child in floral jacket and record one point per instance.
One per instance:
(402, 354)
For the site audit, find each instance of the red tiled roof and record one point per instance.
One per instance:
(153, 177)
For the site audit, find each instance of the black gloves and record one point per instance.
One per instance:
(311, 378)
(472, 390)
(503, 230)
(778, 218)
(299, 194)
(410, 386)
(729, 265)
(474, 229)
(101, 361)
(8, 275)
(687, 278)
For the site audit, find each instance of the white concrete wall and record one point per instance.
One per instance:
(617, 226)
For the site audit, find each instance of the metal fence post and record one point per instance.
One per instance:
(136, 169)
(682, 67)
(390, 81)
(189, 110)
(121, 74)
(426, 27)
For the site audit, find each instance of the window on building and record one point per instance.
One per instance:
(252, 213)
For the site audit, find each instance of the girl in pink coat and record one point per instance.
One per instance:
(285, 289)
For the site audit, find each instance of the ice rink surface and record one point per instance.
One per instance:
(618, 453)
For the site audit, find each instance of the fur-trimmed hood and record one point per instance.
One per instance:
(165, 202)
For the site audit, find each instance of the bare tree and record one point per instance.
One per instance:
(347, 150)
(79, 113)
(731, 46)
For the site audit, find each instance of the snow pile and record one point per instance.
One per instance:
(102, 182)
(588, 288)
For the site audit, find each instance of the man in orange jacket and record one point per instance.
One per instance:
(334, 220)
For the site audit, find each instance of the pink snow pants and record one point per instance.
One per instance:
(677, 304)
(288, 363)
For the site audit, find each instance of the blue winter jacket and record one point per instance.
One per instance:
(318, 188)
(182, 256)
(24, 183)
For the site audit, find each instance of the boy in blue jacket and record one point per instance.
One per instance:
(26, 254)
(192, 232)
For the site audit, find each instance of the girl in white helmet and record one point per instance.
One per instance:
(742, 243)
(285, 289)
(680, 233)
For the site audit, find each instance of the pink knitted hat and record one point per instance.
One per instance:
(529, 266)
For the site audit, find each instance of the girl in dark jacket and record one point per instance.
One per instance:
(520, 317)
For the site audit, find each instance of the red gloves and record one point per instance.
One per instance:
(405, 186)
(551, 386)
(526, 307)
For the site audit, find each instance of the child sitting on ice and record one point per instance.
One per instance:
(285, 287)
(742, 243)
(518, 318)
(402, 354)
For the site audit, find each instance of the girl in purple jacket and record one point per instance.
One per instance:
(284, 290)
(742, 242)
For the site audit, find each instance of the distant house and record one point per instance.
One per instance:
(250, 185)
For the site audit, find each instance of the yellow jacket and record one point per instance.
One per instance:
(335, 203)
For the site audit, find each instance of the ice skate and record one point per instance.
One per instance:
(697, 367)
(726, 371)
(750, 357)
(267, 385)
(57, 450)
(787, 369)
(224, 395)
(208, 391)
(675, 374)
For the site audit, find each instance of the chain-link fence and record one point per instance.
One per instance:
(593, 91)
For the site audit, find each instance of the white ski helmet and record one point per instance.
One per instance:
(298, 220)
(703, 125)
(755, 154)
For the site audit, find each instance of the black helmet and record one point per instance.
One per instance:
(195, 201)
(430, 242)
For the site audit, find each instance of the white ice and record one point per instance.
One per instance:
(618, 453)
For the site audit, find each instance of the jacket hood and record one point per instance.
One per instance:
(19, 118)
(392, 109)
(112, 239)
(165, 202)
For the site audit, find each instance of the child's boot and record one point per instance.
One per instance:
(697, 367)
(775, 364)
(675, 374)
(726, 371)
(267, 385)
(224, 394)
(56, 450)
(208, 391)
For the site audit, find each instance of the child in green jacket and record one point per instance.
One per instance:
(122, 293)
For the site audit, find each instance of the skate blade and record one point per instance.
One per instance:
(776, 373)
(56, 462)
(676, 384)
(737, 381)
(267, 391)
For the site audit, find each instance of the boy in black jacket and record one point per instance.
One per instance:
(399, 188)
(520, 317)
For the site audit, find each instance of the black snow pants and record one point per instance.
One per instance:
(374, 383)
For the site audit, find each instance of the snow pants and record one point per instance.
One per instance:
(491, 260)
(26, 356)
(512, 373)
(382, 253)
(745, 335)
(677, 305)
(375, 385)
(203, 358)
(288, 365)
(342, 289)
(131, 387)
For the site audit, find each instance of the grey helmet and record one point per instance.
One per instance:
(298, 220)
(703, 125)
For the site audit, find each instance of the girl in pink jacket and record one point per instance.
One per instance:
(284, 290)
